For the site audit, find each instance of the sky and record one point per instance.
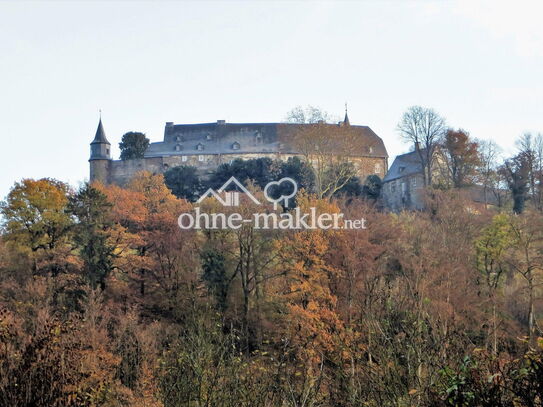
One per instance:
(477, 63)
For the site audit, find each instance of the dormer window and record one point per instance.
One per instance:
(200, 147)
(208, 136)
(178, 138)
(401, 169)
(235, 145)
(178, 147)
(370, 149)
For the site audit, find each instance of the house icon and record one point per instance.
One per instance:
(231, 198)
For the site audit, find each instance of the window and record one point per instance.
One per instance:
(178, 147)
(184, 158)
(258, 138)
(200, 147)
(208, 137)
(401, 169)
(178, 138)
(107, 151)
(414, 182)
(200, 158)
(370, 149)
(235, 145)
(377, 168)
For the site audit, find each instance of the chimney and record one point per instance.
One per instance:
(221, 122)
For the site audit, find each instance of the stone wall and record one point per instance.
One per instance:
(120, 172)
(404, 193)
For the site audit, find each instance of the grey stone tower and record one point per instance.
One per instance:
(100, 157)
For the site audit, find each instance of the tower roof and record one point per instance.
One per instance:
(100, 137)
(346, 119)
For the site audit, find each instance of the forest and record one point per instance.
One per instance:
(105, 301)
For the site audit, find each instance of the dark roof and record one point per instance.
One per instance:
(346, 119)
(404, 165)
(100, 137)
(218, 137)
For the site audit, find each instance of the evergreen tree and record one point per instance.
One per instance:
(184, 182)
(92, 233)
(133, 145)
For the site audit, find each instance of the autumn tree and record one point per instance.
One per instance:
(169, 254)
(492, 249)
(423, 128)
(527, 261)
(460, 158)
(313, 324)
(36, 220)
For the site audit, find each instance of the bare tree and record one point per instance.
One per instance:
(424, 128)
(309, 114)
(326, 146)
(328, 149)
(489, 153)
(532, 149)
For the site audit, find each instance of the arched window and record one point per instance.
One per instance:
(235, 145)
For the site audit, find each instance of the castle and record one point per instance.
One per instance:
(208, 145)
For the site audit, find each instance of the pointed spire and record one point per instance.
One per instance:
(346, 120)
(100, 137)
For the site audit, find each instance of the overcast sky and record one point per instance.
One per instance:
(479, 64)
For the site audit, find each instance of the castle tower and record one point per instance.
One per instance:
(100, 157)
